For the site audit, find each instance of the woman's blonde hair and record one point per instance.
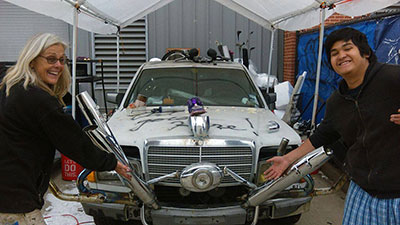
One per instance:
(22, 70)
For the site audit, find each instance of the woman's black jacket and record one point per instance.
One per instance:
(32, 126)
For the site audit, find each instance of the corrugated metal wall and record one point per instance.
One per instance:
(132, 54)
(200, 23)
(17, 25)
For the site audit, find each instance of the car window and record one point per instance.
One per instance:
(214, 87)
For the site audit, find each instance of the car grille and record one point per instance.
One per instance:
(165, 160)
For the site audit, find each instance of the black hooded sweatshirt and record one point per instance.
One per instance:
(362, 119)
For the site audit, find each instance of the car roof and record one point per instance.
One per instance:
(188, 63)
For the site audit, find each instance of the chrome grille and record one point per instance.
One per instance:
(164, 160)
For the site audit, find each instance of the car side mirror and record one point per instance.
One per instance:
(270, 98)
(114, 97)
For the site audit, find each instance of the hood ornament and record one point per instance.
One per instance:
(198, 123)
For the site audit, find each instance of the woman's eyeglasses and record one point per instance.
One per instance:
(53, 59)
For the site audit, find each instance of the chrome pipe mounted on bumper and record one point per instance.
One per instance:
(299, 169)
(102, 137)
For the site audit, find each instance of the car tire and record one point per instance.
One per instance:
(100, 220)
(282, 221)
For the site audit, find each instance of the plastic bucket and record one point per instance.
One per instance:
(69, 168)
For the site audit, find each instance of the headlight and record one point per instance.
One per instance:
(107, 176)
(262, 167)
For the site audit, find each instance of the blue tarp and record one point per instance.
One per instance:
(383, 36)
(387, 37)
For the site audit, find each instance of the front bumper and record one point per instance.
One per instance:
(272, 209)
(222, 215)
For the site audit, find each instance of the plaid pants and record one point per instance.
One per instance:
(32, 218)
(363, 209)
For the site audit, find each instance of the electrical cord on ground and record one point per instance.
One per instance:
(76, 219)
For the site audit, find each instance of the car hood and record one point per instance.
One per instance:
(133, 126)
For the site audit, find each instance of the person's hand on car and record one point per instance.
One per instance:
(123, 170)
(395, 118)
(279, 165)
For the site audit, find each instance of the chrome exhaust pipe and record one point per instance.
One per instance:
(299, 169)
(102, 137)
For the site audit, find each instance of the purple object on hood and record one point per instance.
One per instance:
(195, 106)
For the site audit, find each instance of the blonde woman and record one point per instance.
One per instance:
(33, 125)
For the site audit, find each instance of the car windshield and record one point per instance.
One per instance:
(214, 87)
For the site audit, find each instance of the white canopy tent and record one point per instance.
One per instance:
(105, 16)
(108, 16)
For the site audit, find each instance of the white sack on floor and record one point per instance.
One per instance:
(261, 80)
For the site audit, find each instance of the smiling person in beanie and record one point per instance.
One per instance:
(364, 112)
(33, 125)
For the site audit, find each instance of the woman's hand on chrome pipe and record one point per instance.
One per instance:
(123, 170)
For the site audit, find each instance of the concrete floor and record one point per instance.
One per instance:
(327, 209)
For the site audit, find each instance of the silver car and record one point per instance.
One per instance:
(198, 135)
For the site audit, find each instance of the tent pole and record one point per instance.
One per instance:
(321, 40)
(74, 46)
(271, 48)
(118, 62)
